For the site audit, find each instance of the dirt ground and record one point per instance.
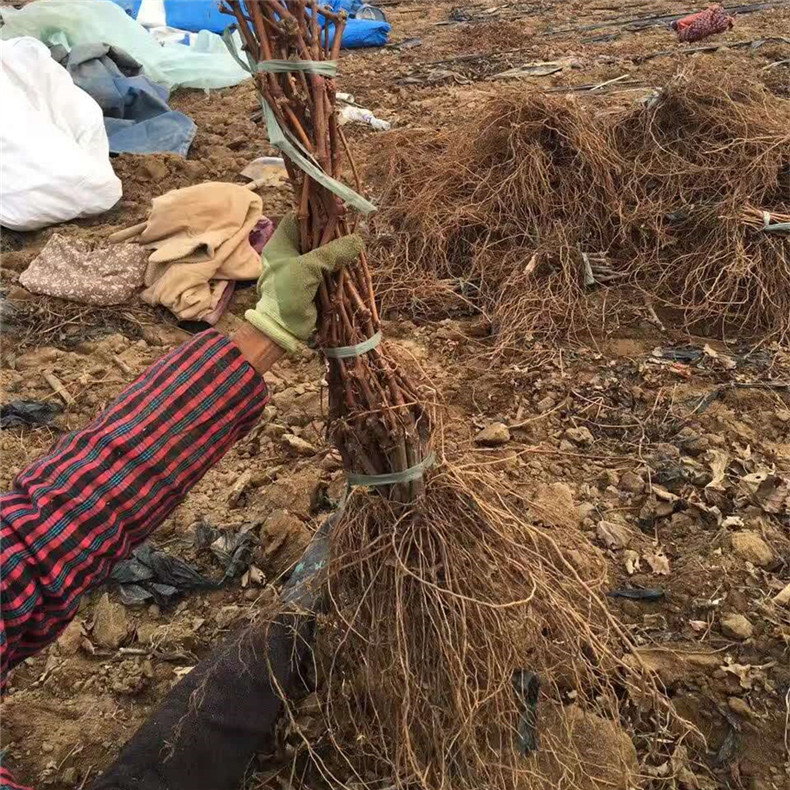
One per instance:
(670, 451)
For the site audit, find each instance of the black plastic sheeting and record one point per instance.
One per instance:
(152, 576)
(227, 708)
(28, 413)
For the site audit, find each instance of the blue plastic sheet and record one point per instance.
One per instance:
(197, 15)
(73, 22)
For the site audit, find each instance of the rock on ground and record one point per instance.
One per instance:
(595, 752)
(109, 624)
(492, 435)
(750, 546)
(736, 626)
(613, 535)
(554, 505)
(581, 436)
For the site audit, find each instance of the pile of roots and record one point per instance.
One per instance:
(533, 214)
(466, 648)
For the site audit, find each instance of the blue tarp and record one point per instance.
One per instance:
(198, 15)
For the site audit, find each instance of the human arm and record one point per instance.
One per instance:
(75, 512)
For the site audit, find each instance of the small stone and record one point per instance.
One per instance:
(478, 327)
(585, 510)
(654, 622)
(783, 598)
(666, 450)
(613, 535)
(555, 506)
(70, 640)
(283, 538)
(736, 626)
(630, 481)
(545, 404)
(300, 446)
(740, 706)
(193, 168)
(332, 461)
(226, 615)
(492, 435)
(751, 547)
(109, 624)
(154, 168)
(580, 436)
(274, 430)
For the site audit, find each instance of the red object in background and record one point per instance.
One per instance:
(703, 24)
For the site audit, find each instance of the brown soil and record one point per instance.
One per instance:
(617, 433)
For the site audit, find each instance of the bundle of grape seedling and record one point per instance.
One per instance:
(445, 603)
(376, 419)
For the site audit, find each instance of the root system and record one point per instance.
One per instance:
(535, 213)
(439, 617)
(447, 608)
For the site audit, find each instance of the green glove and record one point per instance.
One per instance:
(286, 311)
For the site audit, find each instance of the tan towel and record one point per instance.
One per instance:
(200, 237)
(73, 269)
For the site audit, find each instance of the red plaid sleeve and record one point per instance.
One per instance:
(7, 781)
(102, 490)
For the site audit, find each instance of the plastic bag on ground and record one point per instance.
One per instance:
(54, 154)
(73, 22)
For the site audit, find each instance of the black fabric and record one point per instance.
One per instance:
(208, 728)
(204, 734)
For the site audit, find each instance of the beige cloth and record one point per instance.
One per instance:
(200, 238)
(72, 269)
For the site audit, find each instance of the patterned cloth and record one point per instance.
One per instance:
(102, 490)
(705, 23)
(71, 269)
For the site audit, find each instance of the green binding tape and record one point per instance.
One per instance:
(777, 227)
(393, 478)
(346, 352)
(283, 140)
(326, 68)
(292, 148)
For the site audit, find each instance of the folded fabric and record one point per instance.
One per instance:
(709, 22)
(198, 235)
(137, 117)
(73, 269)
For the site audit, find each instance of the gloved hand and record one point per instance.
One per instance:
(289, 282)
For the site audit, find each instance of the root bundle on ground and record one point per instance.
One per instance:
(528, 213)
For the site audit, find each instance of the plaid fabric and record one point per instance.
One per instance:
(705, 23)
(7, 781)
(102, 490)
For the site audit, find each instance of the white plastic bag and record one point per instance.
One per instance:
(54, 155)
